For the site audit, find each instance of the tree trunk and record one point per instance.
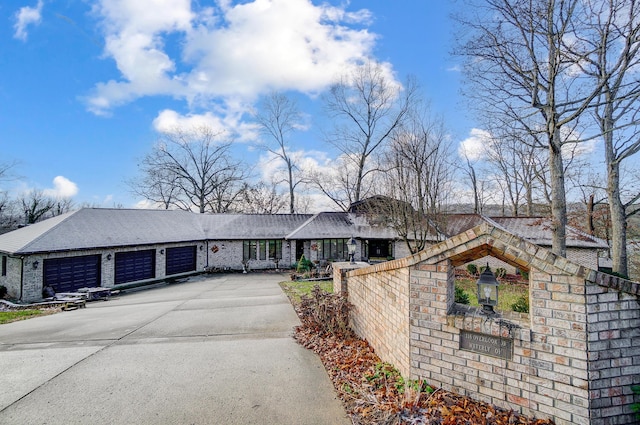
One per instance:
(558, 199)
(618, 220)
(590, 211)
(292, 208)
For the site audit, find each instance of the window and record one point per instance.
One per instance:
(249, 250)
(4, 265)
(333, 249)
(275, 250)
(263, 250)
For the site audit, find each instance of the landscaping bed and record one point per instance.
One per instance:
(372, 391)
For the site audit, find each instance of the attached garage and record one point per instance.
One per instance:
(180, 260)
(68, 274)
(135, 265)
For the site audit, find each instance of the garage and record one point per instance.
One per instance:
(181, 260)
(135, 265)
(68, 274)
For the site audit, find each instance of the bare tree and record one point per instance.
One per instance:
(260, 199)
(160, 186)
(192, 169)
(8, 217)
(366, 106)
(338, 181)
(279, 117)
(418, 174)
(614, 36)
(35, 206)
(470, 170)
(518, 61)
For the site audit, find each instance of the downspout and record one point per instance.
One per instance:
(207, 254)
(21, 276)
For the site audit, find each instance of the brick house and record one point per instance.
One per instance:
(118, 247)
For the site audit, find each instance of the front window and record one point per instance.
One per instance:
(263, 249)
(333, 249)
(249, 251)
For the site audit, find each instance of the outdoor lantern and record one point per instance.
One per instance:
(487, 290)
(35, 264)
(351, 248)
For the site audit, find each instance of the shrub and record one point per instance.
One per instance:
(472, 269)
(461, 297)
(635, 407)
(501, 272)
(521, 305)
(3, 291)
(524, 274)
(326, 312)
(303, 265)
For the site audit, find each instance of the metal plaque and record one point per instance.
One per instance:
(489, 345)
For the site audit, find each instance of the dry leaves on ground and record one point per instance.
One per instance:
(374, 393)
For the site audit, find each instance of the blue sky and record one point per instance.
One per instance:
(87, 85)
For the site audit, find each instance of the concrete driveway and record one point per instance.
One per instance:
(212, 350)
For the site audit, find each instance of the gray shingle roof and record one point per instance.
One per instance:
(251, 226)
(334, 225)
(103, 228)
(534, 229)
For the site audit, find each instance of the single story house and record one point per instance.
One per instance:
(94, 247)
(114, 248)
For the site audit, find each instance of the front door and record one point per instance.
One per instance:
(379, 248)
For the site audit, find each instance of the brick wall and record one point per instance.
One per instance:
(12, 278)
(613, 331)
(381, 311)
(572, 359)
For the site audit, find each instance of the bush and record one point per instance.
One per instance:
(326, 312)
(521, 305)
(303, 265)
(461, 297)
(635, 407)
(3, 291)
(501, 272)
(472, 269)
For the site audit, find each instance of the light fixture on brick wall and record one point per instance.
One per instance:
(351, 249)
(35, 264)
(487, 291)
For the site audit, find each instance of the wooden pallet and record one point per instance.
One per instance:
(73, 304)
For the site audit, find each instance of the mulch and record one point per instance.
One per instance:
(375, 394)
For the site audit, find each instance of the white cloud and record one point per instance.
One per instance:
(168, 121)
(62, 188)
(228, 54)
(476, 145)
(27, 16)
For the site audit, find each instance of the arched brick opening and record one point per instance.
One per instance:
(573, 359)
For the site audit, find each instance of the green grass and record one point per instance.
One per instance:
(295, 290)
(508, 292)
(13, 316)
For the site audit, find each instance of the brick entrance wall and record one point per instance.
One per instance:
(573, 358)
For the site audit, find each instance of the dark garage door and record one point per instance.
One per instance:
(71, 273)
(135, 265)
(181, 260)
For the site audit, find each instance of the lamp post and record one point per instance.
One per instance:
(351, 248)
(487, 291)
